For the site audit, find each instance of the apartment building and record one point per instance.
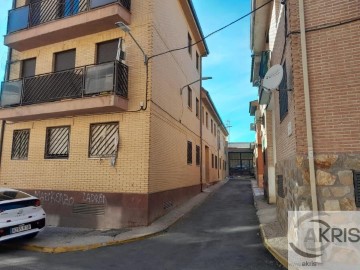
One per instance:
(260, 146)
(93, 119)
(214, 142)
(311, 122)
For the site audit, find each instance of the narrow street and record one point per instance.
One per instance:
(222, 233)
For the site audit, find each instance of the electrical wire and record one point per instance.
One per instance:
(186, 47)
(212, 33)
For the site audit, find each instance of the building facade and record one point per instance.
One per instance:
(311, 120)
(93, 120)
(241, 159)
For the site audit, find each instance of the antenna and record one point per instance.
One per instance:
(228, 126)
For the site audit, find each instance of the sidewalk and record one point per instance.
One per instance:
(61, 239)
(274, 238)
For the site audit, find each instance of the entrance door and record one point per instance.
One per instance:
(207, 165)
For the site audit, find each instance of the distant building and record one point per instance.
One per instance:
(241, 158)
(100, 133)
(310, 124)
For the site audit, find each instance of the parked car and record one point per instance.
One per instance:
(21, 214)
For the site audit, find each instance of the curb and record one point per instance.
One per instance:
(281, 259)
(156, 231)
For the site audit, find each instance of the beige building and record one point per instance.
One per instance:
(312, 120)
(94, 122)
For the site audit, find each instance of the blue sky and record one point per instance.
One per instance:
(228, 63)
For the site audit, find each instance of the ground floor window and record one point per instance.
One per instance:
(104, 140)
(20, 144)
(57, 142)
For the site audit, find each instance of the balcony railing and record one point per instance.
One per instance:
(75, 83)
(43, 11)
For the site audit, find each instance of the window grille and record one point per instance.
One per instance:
(57, 142)
(197, 155)
(20, 145)
(283, 95)
(189, 152)
(104, 140)
(216, 162)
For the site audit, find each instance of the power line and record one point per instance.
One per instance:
(212, 33)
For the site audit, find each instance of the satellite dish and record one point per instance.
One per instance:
(273, 77)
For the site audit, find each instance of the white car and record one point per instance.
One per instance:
(21, 214)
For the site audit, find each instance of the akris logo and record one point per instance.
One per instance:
(317, 235)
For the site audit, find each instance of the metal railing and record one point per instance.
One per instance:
(68, 84)
(43, 11)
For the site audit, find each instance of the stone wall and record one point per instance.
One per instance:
(334, 179)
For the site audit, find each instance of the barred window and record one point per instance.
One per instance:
(57, 142)
(104, 140)
(20, 144)
(197, 155)
(216, 162)
(189, 152)
(212, 160)
(283, 95)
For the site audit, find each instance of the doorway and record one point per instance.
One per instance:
(207, 167)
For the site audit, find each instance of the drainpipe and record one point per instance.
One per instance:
(201, 138)
(307, 108)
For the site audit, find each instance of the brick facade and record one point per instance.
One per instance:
(332, 42)
(150, 175)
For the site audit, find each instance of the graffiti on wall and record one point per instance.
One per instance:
(66, 200)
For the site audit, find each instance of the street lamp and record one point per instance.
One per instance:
(127, 29)
(201, 79)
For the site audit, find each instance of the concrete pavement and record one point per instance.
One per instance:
(61, 239)
(273, 236)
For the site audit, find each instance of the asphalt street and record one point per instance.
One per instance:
(222, 233)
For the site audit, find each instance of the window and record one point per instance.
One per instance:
(214, 129)
(202, 115)
(220, 163)
(189, 152)
(212, 160)
(104, 140)
(197, 61)
(212, 126)
(106, 51)
(57, 142)
(197, 107)
(28, 68)
(20, 144)
(189, 97)
(207, 120)
(197, 155)
(189, 44)
(64, 60)
(283, 95)
(216, 162)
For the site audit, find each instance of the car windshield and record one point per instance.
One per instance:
(7, 195)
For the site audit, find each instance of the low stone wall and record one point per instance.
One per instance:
(334, 179)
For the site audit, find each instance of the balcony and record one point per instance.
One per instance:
(51, 21)
(83, 90)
